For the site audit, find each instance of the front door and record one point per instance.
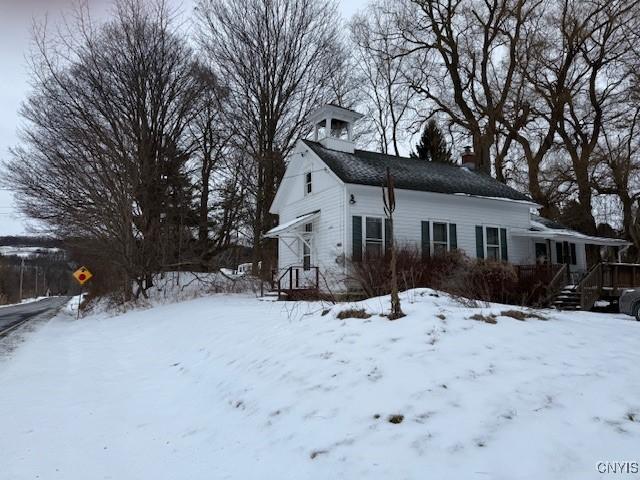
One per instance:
(542, 255)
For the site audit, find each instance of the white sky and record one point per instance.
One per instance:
(16, 18)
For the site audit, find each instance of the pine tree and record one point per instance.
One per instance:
(433, 146)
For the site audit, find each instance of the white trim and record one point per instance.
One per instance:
(493, 245)
(382, 233)
(432, 242)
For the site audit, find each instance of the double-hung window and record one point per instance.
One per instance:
(440, 238)
(373, 237)
(308, 187)
(493, 243)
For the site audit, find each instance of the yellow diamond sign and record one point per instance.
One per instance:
(82, 275)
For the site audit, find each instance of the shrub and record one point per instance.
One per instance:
(353, 313)
(372, 275)
(452, 272)
(520, 315)
(484, 318)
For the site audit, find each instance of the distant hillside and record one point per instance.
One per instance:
(30, 241)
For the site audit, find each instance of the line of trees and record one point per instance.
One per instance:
(150, 147)
(43, 273)
(545, 91)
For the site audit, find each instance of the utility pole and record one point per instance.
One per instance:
(21, 277)
(36, 292)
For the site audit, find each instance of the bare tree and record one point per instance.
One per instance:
(277, 59)
(102, 155)
(598, 78)
(389, 200)
(384, 88)
(465, 55)
(618, 171)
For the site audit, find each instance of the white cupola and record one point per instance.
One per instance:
(333, 127)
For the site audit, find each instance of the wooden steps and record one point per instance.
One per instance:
(567, 299)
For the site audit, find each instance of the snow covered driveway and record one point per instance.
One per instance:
(228, 387)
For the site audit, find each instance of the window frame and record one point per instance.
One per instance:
(498, 258)
(366, 238)
(447, 232)
(446, 243)
(307, 249)
(308, 182)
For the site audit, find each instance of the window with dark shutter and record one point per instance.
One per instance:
(356, 236)
(426, 240)
(479, 241)
(503, 244)
(373, 242)
(453, 236)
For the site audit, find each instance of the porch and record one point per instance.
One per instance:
(298, 282)
(604, 281)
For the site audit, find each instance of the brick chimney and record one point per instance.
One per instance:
(468, 159)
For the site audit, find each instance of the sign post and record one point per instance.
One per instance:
(82, 276)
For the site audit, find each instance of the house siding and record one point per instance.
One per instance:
(327, 197)
(466, 212)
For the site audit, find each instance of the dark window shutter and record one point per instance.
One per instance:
(387, 235)
(504, 254)
(426, 240)
(574, 259)
(479, 242)
(453, 236)
(356, 236)
(559, 257)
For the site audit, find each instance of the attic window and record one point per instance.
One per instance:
(307, 183)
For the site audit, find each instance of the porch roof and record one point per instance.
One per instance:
(286, 229)
(546, 229)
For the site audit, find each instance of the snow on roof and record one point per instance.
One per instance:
(544, 228)
(291, 224)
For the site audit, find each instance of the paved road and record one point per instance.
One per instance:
(11, 315)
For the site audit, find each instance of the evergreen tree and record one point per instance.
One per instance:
(433, 146)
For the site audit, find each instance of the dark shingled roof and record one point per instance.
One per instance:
(369, 168)
(549, 223)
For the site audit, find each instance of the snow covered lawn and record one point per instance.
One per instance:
(229, 387)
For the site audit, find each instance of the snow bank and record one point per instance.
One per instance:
(229, 387)
(172, 287)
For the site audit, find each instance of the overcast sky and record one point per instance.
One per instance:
(16, 17)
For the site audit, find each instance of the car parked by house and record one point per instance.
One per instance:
(630, 303)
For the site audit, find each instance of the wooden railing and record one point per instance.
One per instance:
(590, 288)
(557, 283)
(539, 283)
(616, 276)
(539, 273)
(298, 278)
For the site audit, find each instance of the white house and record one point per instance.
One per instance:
(330, 210)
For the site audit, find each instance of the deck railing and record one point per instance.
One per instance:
(616, 276)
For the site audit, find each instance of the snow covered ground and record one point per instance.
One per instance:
(229, 387)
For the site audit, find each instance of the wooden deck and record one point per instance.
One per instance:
(607, 281)
(553, 284)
